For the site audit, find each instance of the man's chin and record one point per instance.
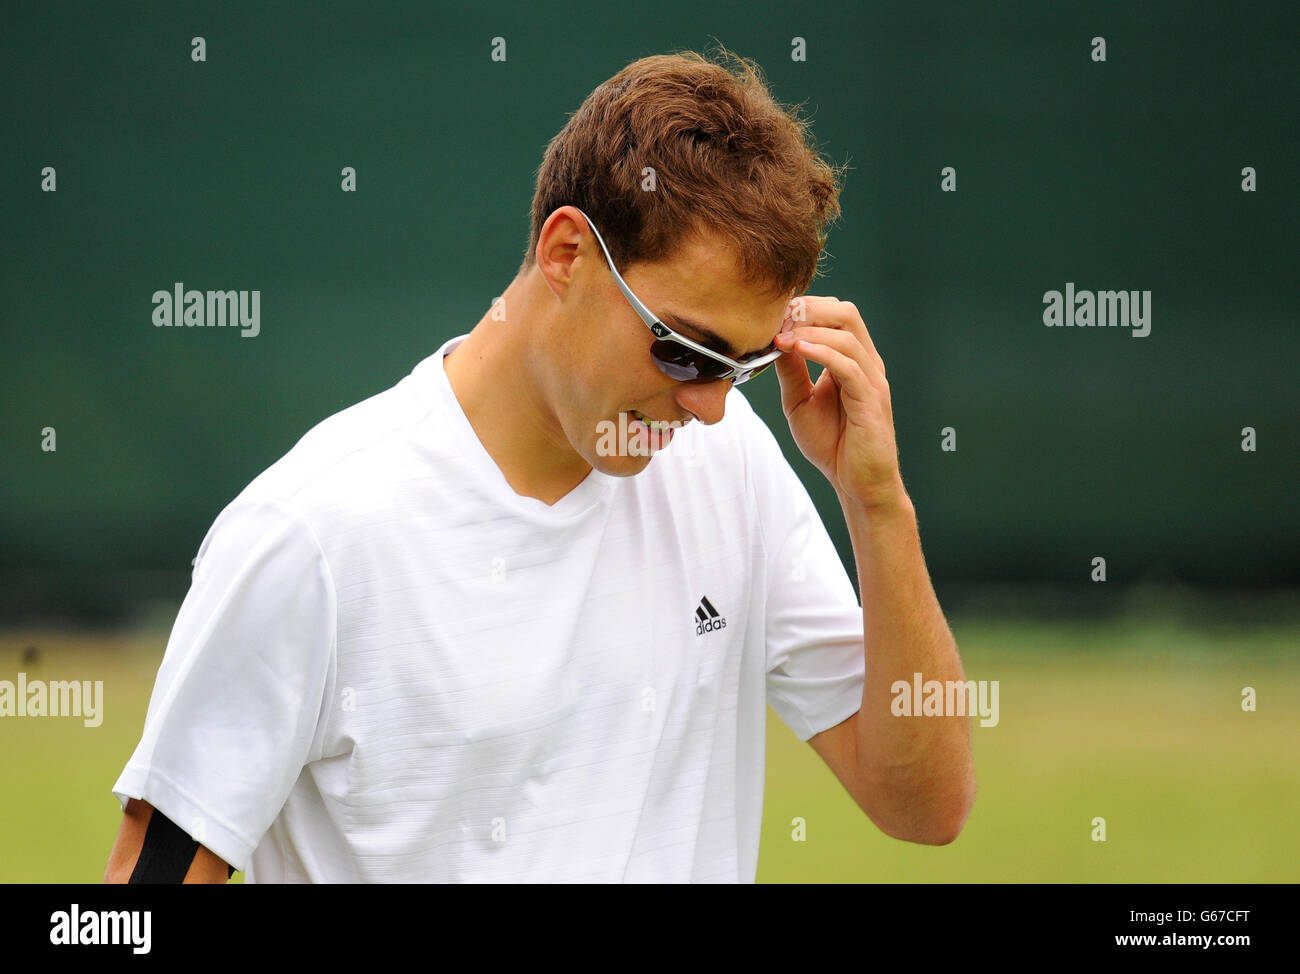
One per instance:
(615, 465)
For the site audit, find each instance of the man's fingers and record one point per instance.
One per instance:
(842, 340)
(796, 383)
(846, 371)
(844, 315)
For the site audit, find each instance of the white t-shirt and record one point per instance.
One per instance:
(390, 667)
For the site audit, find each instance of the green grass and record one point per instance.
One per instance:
(1137, 722)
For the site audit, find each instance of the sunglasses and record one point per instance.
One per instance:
(676, 355)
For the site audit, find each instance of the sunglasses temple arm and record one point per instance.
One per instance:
(650, 320)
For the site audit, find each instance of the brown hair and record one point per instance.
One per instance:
(727, 159)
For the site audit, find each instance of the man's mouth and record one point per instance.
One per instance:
(654, 425)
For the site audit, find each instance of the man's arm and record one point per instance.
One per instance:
(161, 846)
(247, 671)
(913, 776)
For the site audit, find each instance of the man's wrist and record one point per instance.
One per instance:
(890, 503)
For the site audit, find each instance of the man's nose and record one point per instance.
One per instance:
(705, 400)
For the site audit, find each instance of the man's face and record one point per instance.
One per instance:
(605, 368)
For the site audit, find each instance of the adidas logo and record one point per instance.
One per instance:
(707, 618)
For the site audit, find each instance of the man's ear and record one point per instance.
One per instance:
(558, 246)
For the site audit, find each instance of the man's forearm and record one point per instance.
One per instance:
(917, 772)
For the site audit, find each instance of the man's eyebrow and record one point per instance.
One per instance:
(706, 336)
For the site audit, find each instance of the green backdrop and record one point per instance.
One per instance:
(1071, 443)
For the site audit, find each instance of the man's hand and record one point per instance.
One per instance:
(843, 423)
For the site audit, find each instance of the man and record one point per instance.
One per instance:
(519, 617)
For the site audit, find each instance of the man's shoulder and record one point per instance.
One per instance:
(349, 454)
(740, 439)
(718, 460)
(746, 423)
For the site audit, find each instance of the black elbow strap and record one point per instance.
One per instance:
(167, 853)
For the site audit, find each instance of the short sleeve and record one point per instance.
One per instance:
(240, 694)
(814, 636)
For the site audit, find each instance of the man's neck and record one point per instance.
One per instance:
(508, 411)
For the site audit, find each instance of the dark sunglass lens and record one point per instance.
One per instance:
(685, 364)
